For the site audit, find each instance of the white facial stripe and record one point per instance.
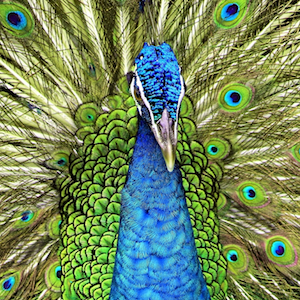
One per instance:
(132, 93)
(139, 84)
(182, 92)
(153, 124)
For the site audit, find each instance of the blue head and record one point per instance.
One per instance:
(158, 88)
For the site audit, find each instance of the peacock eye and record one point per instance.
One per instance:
(61, 162)
(53, 277)
(232, 256)
(14, 18)
(212, 149)
(229, 14)
(27, 215)
(280, 250)
(17, 20)
(236, 258)
(296, 152)
(8, 283)
(233, 98)
(230, 11)
(249, 192)
(58, 272)
(252, 194)
(217, 148)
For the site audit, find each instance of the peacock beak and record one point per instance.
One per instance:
(165, 132)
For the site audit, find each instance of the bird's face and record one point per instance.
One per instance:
(158, 88)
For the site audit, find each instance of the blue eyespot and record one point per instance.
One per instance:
(92, 70)
(34, 108)
(90, 117)
(62, 161)
(212, 149)
(58, 272)
(232, 256)
(8, 283)
(26, 216)
(233, 98)
(230, 11)
(278, 248)
(16, 20)
(249, 192)
(142, 4)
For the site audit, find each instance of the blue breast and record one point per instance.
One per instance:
(156, 256)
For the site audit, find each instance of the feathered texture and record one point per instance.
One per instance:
(68, 127)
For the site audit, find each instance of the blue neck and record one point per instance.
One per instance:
(156, 256)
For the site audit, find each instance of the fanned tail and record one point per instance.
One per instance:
(241, 76)
(246, 95)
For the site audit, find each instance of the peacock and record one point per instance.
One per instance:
(149, 150)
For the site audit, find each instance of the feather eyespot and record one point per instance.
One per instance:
(235, 96)
(92, 70)
(26, 216)
(54, 226)
(17, 19)
(58, 272)
(236, 257)
(232, 256)
(281, 251)
(62, 162)
(278, 248)
(59, 161)
(229, 14)
(87, 114)
(252, 194)
(217, 148)
(230, 11)
(53, 277)
(212, 149)
(249, 192)
(296, 152)
(8, 283)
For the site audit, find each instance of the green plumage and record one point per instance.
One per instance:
(90, 200)
(68, 127)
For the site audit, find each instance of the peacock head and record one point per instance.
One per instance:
(158, 88)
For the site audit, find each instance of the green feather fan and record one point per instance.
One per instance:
(70, 107)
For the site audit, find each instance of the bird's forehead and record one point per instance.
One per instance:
(159, 75)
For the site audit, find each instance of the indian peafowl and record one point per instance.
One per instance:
(149, 149)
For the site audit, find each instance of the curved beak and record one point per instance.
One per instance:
(165, 132)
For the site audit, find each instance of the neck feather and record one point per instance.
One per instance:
(156, 255)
